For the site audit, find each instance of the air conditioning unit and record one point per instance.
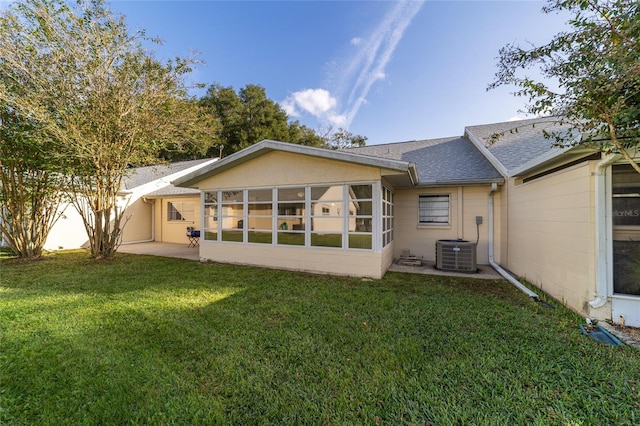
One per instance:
(456, 255)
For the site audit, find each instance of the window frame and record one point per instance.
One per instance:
(435, 198)
(171, 210)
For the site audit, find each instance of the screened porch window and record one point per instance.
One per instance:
(387, 216)
(336, 216)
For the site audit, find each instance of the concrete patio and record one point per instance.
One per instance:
(183, 251)
(428, 268)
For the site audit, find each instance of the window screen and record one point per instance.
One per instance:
(433, 209)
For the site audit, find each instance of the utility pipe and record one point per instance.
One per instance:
(602, 230)
(494, 265)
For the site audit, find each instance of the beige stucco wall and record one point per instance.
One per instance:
(138, 225)
(388, 256)
(283, 168)
(174, 231)
(551, 234)
(308, 259)
(465, 204)
(500, 225)
(68, 232)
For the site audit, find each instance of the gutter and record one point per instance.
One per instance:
(602, 229)
(494, 265)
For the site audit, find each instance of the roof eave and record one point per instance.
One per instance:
(549, 157)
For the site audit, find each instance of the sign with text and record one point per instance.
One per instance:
(626, 210)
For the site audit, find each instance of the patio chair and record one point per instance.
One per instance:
(194, 236)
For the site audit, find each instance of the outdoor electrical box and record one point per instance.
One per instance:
(478, 220)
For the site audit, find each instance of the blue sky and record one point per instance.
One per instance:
(390, 71)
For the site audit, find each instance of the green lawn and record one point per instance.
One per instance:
(143, 340)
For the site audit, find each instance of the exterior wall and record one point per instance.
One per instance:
(68, 232)
(139, 224)
(167, 231)
(282, 169)
(551, 234)
(500, 225)
(387, 258)
(307, 259)
(465, 204)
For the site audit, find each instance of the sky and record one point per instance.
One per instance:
(388, 70)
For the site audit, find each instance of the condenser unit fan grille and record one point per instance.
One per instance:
(456, 255)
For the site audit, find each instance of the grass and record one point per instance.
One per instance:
(144, 340)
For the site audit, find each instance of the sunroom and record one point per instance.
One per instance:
(294, 207)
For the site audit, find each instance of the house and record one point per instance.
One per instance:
(565, 219)
(155, 210)
(570, 219)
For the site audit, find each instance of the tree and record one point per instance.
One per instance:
(90, 85)
(29, 187)
(596, 68)
(247, 117)
(342, 139)
(303, 135)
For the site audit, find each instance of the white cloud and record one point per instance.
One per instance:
(289, 106)
(316, 102)
(337, 121)
(352, 79)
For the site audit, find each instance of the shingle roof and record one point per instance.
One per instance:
(522, 142)
(439, 161)
(140, 175)
(172, 191)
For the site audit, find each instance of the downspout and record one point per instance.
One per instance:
(602, 229)
(494, 265)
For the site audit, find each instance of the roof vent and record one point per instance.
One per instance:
(456, 255)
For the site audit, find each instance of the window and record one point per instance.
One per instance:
(291, 218)
(343, 216)
(260, 212)
(387, 216)
(433, 210)
(232, 209)
(327, 215)
(180, 211)
(211, 216)
(360, 216)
